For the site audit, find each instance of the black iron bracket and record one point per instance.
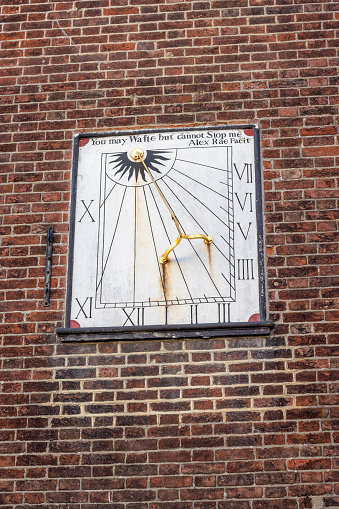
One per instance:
(48, 267)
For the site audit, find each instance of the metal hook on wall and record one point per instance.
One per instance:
(48, 266)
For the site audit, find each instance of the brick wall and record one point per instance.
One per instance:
(246, 423)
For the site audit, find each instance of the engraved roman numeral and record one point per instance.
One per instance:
(194, 313)
(87, 211)
(138, 315)
(248, 170)
(85, 308)
(245, 235)
(245, 268)
(224, 312)
(243, 204)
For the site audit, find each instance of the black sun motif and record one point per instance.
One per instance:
(123, 164)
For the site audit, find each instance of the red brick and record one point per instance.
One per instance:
(180, 414)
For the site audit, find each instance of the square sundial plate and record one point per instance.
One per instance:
(121, 225)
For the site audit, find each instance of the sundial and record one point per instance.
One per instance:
(166, 229)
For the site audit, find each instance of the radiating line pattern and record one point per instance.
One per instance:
(135, 228)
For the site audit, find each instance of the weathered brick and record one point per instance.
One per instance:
(220, 423)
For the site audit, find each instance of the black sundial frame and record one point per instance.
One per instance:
(166, 332)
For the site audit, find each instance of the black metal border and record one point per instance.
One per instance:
(260, 225)
(262, 327)
(74, 175)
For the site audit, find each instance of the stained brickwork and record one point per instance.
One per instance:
(245, 423)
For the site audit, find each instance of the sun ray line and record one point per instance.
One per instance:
(111, 191)
(135, 242)
(199, 225)
(209, 275)
(223, 275)
(199, 164)
(223, 238)
(206, 269)
(197, 182)
(110, 178)
(201, 203)
(111, 244)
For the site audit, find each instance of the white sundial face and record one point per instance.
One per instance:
(206, 178)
